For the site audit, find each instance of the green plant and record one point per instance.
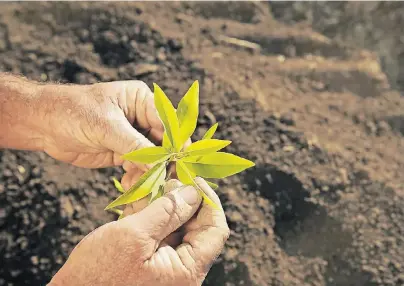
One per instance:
(201, 158)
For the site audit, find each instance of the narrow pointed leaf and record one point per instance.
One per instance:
(167, 115)
(190, 179)
(157, 193)
(217, 165)
(182, 174)
(147, 155)
(149, 181)
(187, 113)
(118, 185)
(121, 216)
(166, 142)
(211, 131)
(212, 185)
(204, 147)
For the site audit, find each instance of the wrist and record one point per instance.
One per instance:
(20, 120)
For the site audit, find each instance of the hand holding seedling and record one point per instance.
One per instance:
(166, 243)
(200, 158)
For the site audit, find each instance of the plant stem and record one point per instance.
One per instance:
(169, 172)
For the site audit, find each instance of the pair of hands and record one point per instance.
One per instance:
(173, 241)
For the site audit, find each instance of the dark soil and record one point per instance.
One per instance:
(318, 115)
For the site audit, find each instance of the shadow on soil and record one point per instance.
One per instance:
(305, 228)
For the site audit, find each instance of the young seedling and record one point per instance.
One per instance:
(201, 158)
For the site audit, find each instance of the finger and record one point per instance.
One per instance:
(130, 166)
(141, 100)
(129, 179)
(167, 214)
(135, 99)
(206, 235)
(172, 185)
(122, 138)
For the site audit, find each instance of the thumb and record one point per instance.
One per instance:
(168, 213)
(124, 138)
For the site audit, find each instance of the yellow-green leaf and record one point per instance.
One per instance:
(148, 182)
(182, 174)
(211, 131)
(217, 165)
(166, 142)
(147, 155)
(212, 185)
(189, 178)
(167, 115)
(187, 113)
(121, 216)
(118, 185)
(156, 194)
(204, 147)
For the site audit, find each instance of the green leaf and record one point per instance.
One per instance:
(211, 131)
(217, 165)
(121, 216)
(204, 147)
(182, 174)
(189, 180)
(156, 194)
(167, 115)
(212, 185)
(187, 112)
(118, 185)
(148, 182)
(166, 142)
(147, 155)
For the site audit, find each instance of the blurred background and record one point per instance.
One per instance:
(310, 91)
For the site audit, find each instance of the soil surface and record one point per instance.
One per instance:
(322, 118)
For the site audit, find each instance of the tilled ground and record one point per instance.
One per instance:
(323, 206)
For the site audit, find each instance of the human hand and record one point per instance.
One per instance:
(169, 242)
(93, 125)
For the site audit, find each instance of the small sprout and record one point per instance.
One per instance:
(118, 185)
(201, 158)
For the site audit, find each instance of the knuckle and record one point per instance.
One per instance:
(168, 205)
(171, 207)
(141, 142)
(136, 87)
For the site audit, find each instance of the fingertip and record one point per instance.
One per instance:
(190, 196)
(130, 178)
(208, 191)
(201, 183)
(152, 114)
(172, 185)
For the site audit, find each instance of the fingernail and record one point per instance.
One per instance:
(189, 195)
(199, 181)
